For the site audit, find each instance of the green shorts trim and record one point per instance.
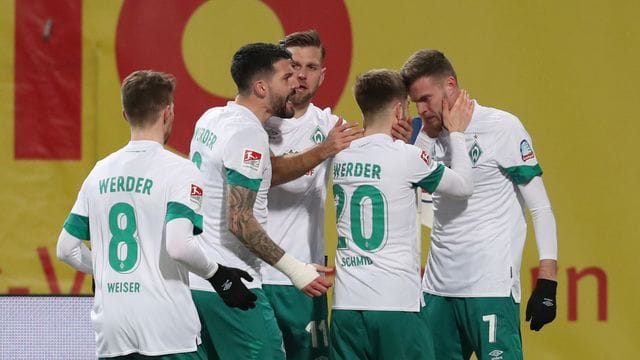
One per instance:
(199, 354)
(302, 320)
(229, 333)
(365, 334)
(486, 326)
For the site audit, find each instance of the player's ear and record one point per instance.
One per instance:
(260, 88)
(322, 72)
(451, 85)
(398, 112)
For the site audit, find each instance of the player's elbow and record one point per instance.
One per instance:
(466, 190)
(175, 251)
(64, 247)
(239, 221)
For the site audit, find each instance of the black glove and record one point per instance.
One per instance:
(231, 289)
(541, 308)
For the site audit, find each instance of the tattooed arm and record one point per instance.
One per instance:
(244, 225)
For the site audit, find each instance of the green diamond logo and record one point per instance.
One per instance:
(317, 136)
(475, 152)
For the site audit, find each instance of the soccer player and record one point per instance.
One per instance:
(472, 277)
(302, 148)
(296, 209)
(140, 208)
(231, 148)
(377, 293)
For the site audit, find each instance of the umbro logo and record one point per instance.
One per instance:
(548, 302)
(496, 354)
(227, 285)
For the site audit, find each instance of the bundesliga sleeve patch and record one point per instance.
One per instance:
(251, 159)
(525, 150)
(196, 195)
(425, 157)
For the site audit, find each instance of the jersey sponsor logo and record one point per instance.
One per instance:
(317, 136)
(526, 151)
(251, 159)
(425, 157)
(474, 153)
(196, 195)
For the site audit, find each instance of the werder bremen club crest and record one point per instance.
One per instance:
(317, 136)
(475, 152)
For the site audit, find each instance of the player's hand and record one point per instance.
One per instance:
(340, 137)
(319, 285)
(227, 282)
(402, 130)
(541, 308)
(458, 117)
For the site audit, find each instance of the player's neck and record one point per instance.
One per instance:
(139, 135)
(259, 109)
(300, 110)
(377, 126)
(150, 133)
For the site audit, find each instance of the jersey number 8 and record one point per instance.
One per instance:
(123, 246)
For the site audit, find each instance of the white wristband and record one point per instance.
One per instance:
(299, 273)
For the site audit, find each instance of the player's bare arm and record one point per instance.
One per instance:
(548, 269)
(243, 224)
(289, 167)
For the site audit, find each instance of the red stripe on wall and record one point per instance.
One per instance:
(48, 74)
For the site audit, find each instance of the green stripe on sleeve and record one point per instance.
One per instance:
(78, 226)
(431, 182)
(235, 178)
(523, 174)
(176, 210)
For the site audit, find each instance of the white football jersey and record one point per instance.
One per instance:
(230, 146)
(378, 255)
(296, 208)
(476, 244)
(142, 300)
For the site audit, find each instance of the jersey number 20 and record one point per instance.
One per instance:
(123, 246)
(365, 197)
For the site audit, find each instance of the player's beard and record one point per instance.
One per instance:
(433, 122)
(282, 107)
(302, 98)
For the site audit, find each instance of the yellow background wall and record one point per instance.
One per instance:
(568, 69)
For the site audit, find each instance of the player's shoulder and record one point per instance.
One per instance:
(172, 163)
(402, 146)
(498, 119)
(210, 115)
(325, 117)
(113, 157)
(412, 153)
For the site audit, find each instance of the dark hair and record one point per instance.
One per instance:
(427, 63)
(375, 89)
(304, 39)
(144, 94)
(254, 60)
